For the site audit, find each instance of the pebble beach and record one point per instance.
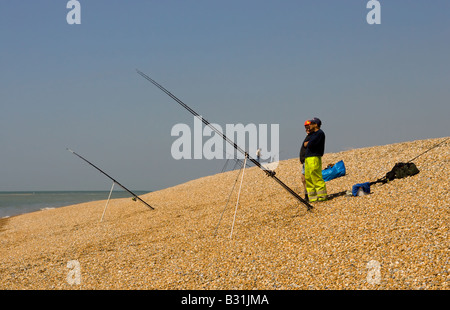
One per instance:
(395, 238)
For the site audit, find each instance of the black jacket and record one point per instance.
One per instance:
(303, 150)
(316, 144)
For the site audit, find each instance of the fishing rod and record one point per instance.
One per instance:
(384, 179)
(135, 196)
(436, 145)
(269, 173)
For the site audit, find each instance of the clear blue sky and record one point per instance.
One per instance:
(274, 62)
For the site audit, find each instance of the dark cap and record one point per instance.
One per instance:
(317, 121)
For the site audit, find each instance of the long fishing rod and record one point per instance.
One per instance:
(268, 172)
(436, 145)
(384, 178)
(135, 196)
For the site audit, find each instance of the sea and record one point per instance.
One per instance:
(16, 203)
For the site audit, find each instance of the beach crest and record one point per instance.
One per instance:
(394, 238)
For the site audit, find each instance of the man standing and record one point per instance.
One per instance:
(302, 157)
(315, 147)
